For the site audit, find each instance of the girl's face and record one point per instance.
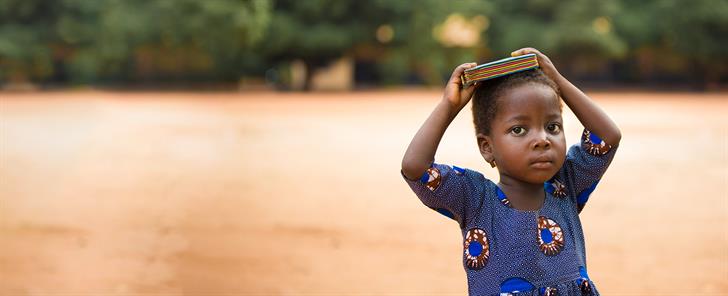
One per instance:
(526, 137)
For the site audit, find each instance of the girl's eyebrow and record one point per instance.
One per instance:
(518, 118)
(523, 117)
(554, 116)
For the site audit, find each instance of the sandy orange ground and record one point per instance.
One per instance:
(273, 193)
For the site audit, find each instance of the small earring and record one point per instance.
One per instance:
(492, 163)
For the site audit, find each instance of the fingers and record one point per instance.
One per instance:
(525, 50)
(467, 66)
(459, 71)
(468, 91)
(542, 58)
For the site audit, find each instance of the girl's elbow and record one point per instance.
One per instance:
(616, 137)
(412, 170)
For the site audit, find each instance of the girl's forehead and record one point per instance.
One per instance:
(529, 99)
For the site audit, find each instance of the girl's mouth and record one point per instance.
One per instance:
(542, 164)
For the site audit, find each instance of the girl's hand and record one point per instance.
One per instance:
(544, 62)
(455, 94)
(589, 113)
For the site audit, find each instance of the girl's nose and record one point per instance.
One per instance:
(542, 141)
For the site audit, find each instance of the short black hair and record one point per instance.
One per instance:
(487, 92)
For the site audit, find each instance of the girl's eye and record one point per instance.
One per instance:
(518, 131)
(554, 128)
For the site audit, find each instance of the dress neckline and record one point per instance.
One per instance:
(507, 203)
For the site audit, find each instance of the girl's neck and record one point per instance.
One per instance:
(522, 195)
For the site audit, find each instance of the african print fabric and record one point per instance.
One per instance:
(506, 251)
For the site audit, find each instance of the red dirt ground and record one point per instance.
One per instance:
(282, 193)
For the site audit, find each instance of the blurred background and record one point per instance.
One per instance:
(300, 44)
(253, 147)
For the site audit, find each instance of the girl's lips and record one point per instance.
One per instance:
(542, 164)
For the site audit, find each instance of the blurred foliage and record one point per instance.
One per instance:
(92, 40)
(392, 42)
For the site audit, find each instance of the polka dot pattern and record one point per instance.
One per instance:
(544, 248)
(502, 197)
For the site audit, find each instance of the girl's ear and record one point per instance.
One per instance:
(486, 149)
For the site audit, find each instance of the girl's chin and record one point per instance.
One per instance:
(532, 176)
(538, 178)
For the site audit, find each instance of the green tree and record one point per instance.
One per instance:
(25, 32)
(319, 31)
(99, 41)
(572, 33)
(684, 40)
(123, 39)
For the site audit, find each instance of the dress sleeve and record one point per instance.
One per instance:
(449, 190)
(585, 165)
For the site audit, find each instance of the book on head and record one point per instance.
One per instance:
(499, 68)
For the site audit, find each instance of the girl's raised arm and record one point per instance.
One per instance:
(421, 150)
(589, 113)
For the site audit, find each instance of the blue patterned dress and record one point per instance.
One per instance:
(507, 251)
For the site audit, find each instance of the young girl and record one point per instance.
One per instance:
(522, 235)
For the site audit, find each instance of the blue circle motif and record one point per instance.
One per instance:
(594, 138)
(475, 248)
(550, 236)
(546, 236)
